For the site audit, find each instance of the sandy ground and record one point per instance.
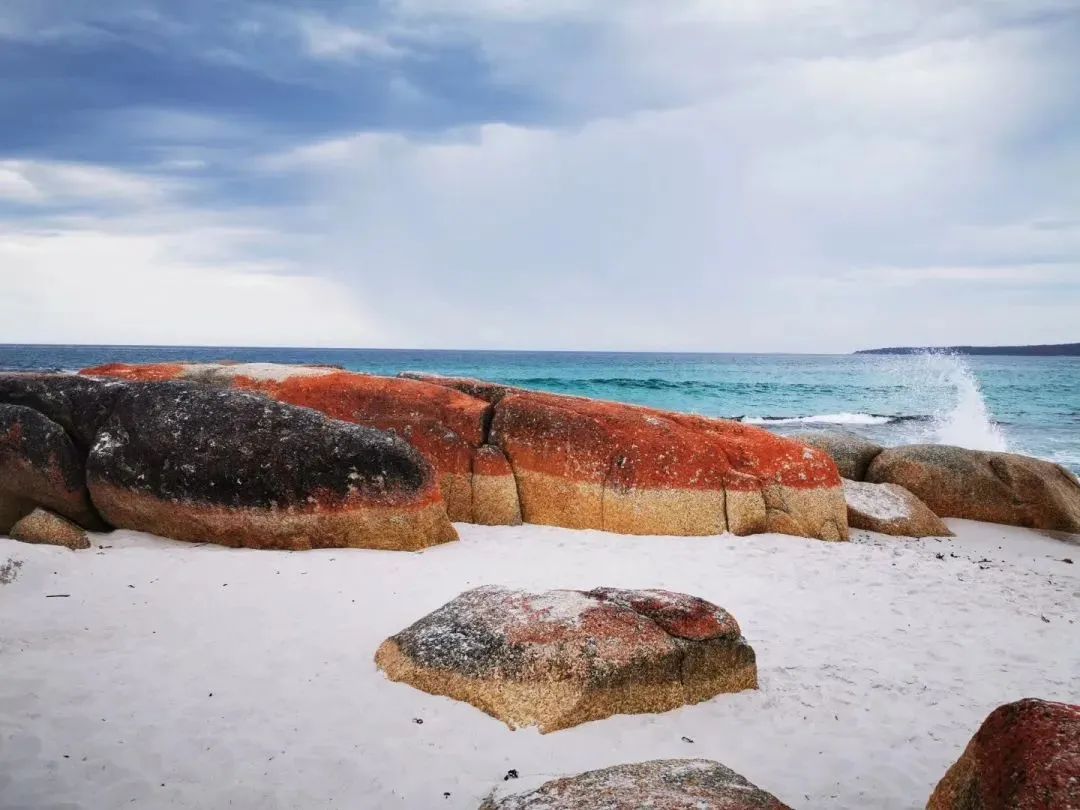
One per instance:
(188, 676)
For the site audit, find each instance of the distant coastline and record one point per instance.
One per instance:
(1044, 350)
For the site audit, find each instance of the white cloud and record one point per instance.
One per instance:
(324, 39)
(110, 286)
(753, 175)
(35, 182)
(733, 221)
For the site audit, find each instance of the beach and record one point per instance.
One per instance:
(151, 673)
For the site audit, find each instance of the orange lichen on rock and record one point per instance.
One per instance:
(505, 454)
(1025, 756)
(555, 659)
(445, 425)
(589, 464)
(137, 373)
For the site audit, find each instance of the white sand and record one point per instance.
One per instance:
(201, 677)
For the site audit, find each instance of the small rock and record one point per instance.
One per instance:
(1025, 755)
(890, 509)
(45, 527)
(672, 784)
(559, 658)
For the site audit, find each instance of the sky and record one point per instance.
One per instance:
(733, 175)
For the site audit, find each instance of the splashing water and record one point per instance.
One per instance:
(960, 414)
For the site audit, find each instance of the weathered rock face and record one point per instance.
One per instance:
(202, 464)
(506, 455)
(44, 527)
(994, 487)
(195, 463)
(663, 784)
(1025, 756)
(602, 465)
(851, 452)
(39, 466)
(560, 658)
(481, 389)
(446, 426)
(890, 509)
(80, 406)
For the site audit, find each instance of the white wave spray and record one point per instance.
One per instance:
(959, 412)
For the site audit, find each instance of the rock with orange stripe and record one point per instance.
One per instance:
(201, 464)
(590, 464)
(569, 461)
(447, 426)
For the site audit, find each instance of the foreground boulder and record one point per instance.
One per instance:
(978, 485)
(40, 466)
(199, 464)
(1025, 756)
(43, 527)
(559, 658)
(851, 452)
(890, 509)
(446, 426)
(663, 784)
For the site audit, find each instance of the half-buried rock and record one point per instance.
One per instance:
(1025, 756)
(559, 658)
(43, 527)
(978, 485)
(890, 509)
(662, 784)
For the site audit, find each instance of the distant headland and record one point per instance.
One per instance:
(1044, 350)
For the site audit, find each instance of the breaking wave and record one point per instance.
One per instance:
(961, 415)
(831, 419)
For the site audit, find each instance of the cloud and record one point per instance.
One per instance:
(326, 40)
(47, 183)
(120, 287)
(755, 176)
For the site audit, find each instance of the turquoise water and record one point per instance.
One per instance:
(1022, 404)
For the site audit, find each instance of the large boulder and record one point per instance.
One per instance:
(559, 658)
(979, 485)
(446, 426)
(589, 464)
(662, 784)
(44, 527)
(890, 509)
(569, 461)
(40, 466)
(851, 452)
(1025, 756)
(201, 464)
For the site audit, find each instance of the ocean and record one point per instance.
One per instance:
(1025, 405)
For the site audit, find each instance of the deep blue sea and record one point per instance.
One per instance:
(1022, 404)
